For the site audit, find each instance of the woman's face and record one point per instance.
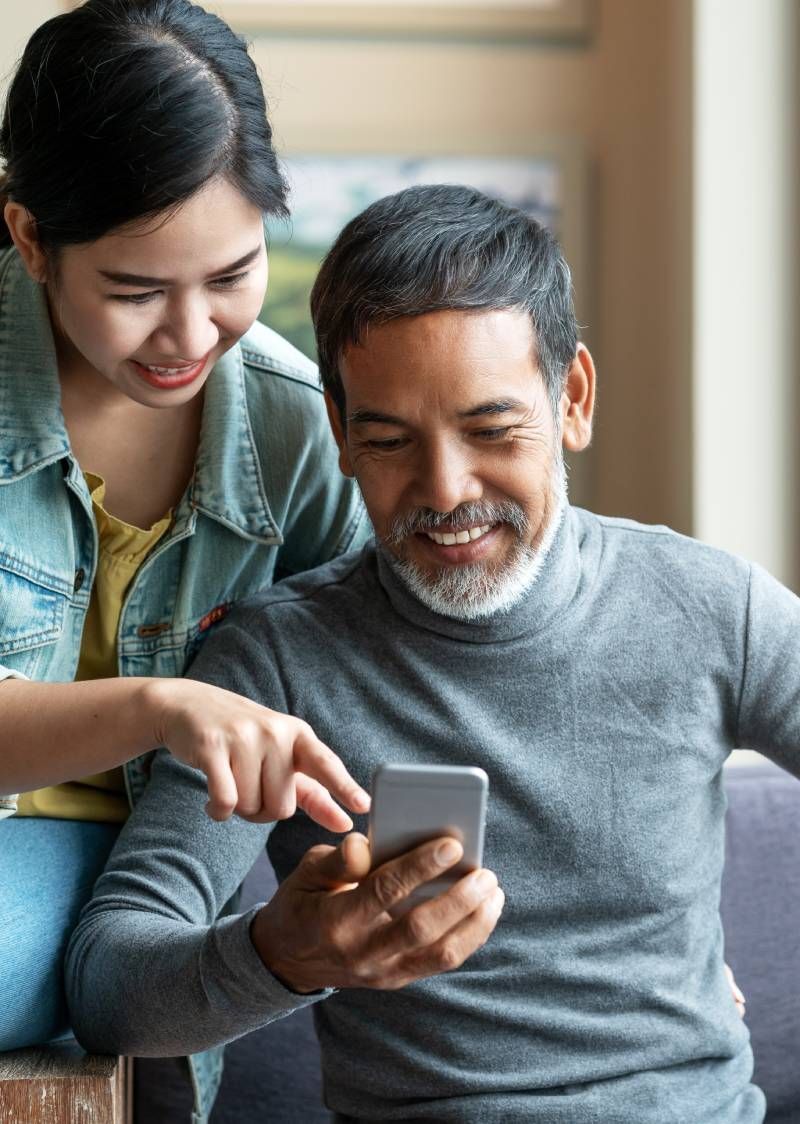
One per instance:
(152, 306)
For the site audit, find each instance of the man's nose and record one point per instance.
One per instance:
(189, 331)
(446, 477)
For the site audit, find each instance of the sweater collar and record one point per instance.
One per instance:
(554, 589)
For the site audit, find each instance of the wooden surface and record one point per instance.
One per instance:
(64, 1085)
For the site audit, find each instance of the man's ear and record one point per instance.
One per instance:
(339, 435)
(577, 401)
(22, 228)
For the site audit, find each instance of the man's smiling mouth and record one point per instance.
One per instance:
(453, 538)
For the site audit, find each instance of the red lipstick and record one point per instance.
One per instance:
(182, 376)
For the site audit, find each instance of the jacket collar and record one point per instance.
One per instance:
(227, 485)
(32, 430)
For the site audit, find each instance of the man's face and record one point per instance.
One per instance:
(452, 439)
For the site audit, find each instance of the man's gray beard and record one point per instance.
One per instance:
(474, 590)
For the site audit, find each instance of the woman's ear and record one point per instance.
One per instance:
(22, 228)
(577, 401)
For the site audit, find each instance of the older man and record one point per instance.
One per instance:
(599, 670)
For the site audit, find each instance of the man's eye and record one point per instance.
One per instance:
(230, 281)
(493, 434)
(136, 298)
(386, 443)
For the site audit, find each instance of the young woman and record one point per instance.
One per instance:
(161, 456)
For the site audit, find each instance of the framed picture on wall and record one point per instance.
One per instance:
(327, 190)
(553, 19)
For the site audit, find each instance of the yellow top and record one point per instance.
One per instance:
(122, 550)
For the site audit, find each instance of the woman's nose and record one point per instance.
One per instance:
(189, 331)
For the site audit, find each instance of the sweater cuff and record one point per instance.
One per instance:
(234, 975)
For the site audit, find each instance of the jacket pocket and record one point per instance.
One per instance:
(33, 604)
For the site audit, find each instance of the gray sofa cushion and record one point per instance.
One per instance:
(761, 915)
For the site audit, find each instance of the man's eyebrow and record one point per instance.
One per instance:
(496, 406)
(148, 282)
(359, 417)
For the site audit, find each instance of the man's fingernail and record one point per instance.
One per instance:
(484, 881)
(448, 852)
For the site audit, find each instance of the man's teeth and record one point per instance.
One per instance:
(450, 538)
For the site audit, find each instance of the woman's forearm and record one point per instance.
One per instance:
(258, 762)
(54, 732)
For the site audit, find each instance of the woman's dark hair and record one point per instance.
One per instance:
(122, 109)
(442, 247)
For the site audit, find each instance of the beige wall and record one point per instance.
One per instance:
(625, 94)
(18, 19)
(626, 97)
(747, 281)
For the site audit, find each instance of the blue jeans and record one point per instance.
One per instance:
(47, 871)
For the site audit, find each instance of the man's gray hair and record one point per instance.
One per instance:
(436, 247)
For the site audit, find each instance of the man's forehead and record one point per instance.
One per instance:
(460, 363)
(467, 329)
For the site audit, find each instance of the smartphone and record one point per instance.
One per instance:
(414, 803)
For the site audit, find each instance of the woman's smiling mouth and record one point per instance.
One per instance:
(170, 378)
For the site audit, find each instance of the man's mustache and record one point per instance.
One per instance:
(423, 519)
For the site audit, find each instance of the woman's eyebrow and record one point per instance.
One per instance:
(148, 282)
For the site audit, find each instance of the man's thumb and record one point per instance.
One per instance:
(330, 868)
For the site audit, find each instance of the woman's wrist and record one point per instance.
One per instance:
(149, 706)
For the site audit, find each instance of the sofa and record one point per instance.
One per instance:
(272, 1076)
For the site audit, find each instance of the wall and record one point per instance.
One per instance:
(746, 280)
(626, 95)
(18, 20)
(661, 146)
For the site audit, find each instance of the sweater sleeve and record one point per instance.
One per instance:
(152, 970)
(769, 709)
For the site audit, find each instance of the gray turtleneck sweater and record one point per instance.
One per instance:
(603, 708)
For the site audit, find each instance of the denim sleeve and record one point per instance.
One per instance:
(8, 801)
(7, 673)
(320, 511)
(151, 969)
(769, 710)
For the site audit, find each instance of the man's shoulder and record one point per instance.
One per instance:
(625, 543)
(339, 587)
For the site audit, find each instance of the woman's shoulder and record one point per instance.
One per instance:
(281, 384)
(264, 352)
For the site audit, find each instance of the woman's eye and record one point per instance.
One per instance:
(230, 281)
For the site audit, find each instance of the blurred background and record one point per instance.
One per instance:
(658, 137)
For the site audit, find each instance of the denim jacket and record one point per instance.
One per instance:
(266, 499)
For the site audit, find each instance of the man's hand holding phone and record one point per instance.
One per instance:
(329, 924)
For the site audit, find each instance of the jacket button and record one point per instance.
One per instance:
(80, 576)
